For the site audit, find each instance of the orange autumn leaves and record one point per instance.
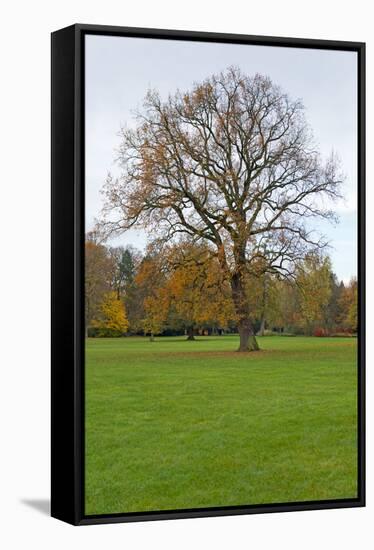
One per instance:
(187, 284)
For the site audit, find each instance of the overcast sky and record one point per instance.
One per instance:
(120, 70)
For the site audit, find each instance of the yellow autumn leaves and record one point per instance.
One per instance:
(112, 315)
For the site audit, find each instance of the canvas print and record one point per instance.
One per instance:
(220, 275)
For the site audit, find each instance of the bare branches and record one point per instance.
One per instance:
(231, 163)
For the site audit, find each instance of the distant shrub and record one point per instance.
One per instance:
(94, 332)
(320, 332)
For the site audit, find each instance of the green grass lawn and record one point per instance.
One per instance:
(175, 424)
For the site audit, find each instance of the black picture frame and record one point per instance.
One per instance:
(68, 213)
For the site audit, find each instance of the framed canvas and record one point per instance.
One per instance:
(208, 207)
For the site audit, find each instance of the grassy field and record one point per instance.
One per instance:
(175, 424)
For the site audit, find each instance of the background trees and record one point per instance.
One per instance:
(124, 262)
(348, 306)
(151, 292)
(230, 163)
(182, 289)
(314, 291)
(98, 273)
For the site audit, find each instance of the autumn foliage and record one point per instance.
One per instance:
(112, 320)
(182, 289)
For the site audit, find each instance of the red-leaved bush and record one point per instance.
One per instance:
(319, 331)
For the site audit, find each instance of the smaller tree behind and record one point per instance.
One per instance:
(98, 268)
(348, 304)
(112, 319)
(314, 285)
(156, 309)
(197, 287)
(150, 282)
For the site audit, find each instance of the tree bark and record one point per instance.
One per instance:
(247, 336)
(151, 337)
(190, 334)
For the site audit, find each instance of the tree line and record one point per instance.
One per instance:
(182, 289)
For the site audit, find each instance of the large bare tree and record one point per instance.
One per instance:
(231, 162)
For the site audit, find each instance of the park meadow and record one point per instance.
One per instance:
(176, 424)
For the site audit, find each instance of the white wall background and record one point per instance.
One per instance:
(25, 257)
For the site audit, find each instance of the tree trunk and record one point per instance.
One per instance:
(248, 340)
(247, 336)
(190, 334)
(151, 337)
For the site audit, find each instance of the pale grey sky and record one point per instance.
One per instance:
(120, 70)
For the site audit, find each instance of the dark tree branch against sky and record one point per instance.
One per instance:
(231, 162)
